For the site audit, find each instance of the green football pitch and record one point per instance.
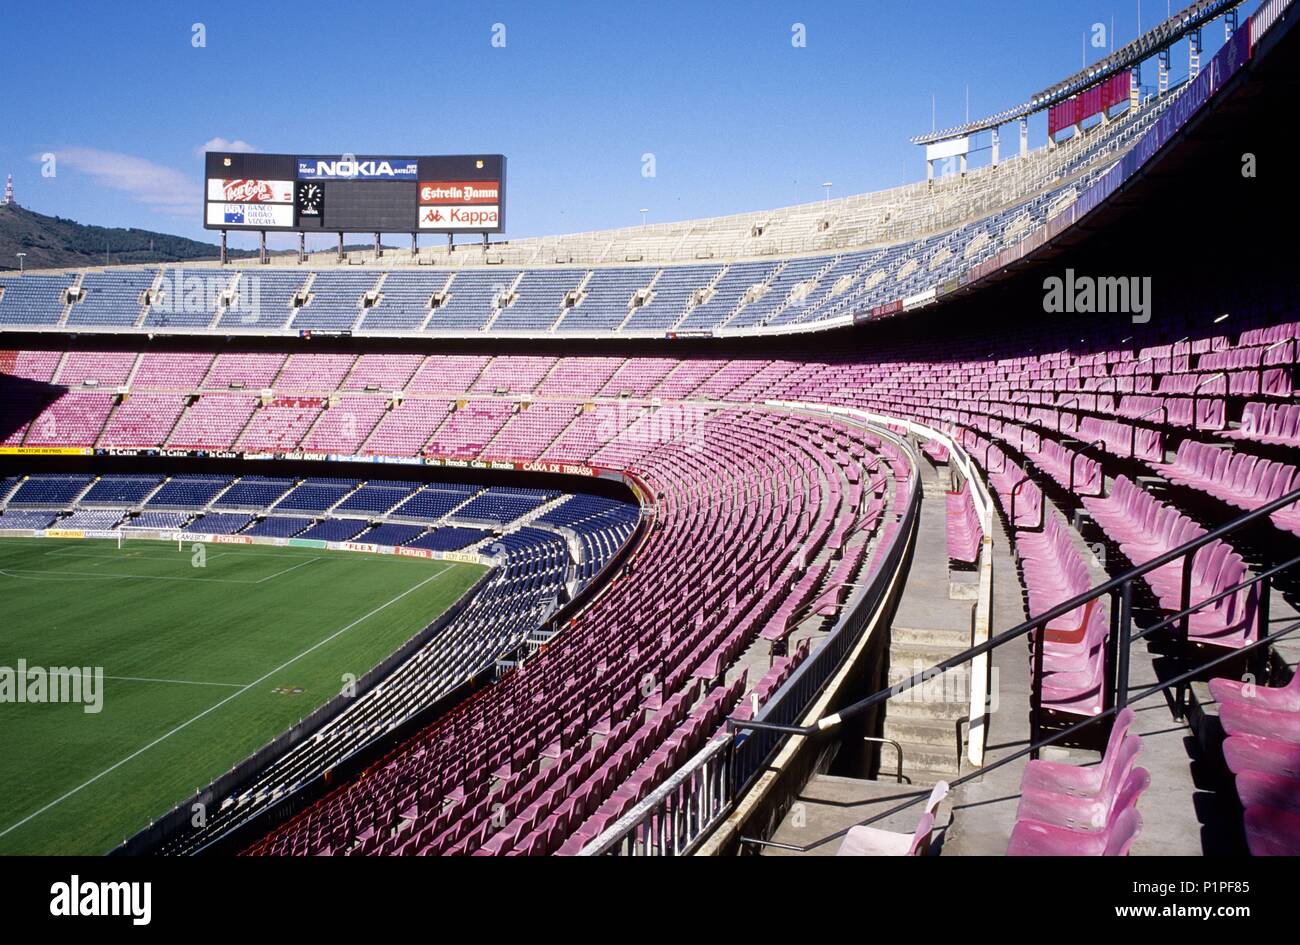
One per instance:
(202, 665)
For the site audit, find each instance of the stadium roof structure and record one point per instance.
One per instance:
(794, 270)
(1186, 21)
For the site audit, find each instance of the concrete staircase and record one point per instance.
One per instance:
(933, 622)
(927, 720)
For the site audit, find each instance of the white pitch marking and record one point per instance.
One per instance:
(182, 682)
(287, 570)
(24, 575)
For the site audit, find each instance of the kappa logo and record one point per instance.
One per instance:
(75, 898)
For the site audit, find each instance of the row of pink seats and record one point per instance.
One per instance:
(965, 534)
(1263, 751)
(530, 431)
(1067, 810)
(213, 422)
(1145, 528)
(703, 569)
(1073, 645)
(345, 425)
(1274, 424)
(1239, 479)
(142, 421)
(75, 418)
(1123, 439)
(278, 427)
(387, 372)
(466, 431)
(107, 369)
(249, 370)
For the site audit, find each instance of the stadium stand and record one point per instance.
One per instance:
(773, 483)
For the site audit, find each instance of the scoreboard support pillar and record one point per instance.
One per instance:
(485, 242)
(261, 247)
(451, 243)
(224, 259)
(379, 248)
(302, 248)
(415, 245)
(340, 247)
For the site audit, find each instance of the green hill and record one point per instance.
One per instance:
(53, 242)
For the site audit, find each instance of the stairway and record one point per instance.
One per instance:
(926, 720)
(933, 622)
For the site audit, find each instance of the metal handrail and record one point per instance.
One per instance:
(1036, 746)
(1187, 548)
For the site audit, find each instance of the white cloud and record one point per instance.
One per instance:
(163, 189)
(238, 146)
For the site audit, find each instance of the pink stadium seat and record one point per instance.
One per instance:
(872, 841)
(1114, 838)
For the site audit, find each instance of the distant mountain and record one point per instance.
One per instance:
(53, 242)
(56, 243)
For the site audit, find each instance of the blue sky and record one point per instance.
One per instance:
(736, 116)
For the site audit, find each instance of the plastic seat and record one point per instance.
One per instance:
(1031, 838)
(1277, 698)
(872, 841)
(1244, 752)
(1079, 780)
(1082, 812)
(1238, 718)
(1258, 789)
(1271, 832)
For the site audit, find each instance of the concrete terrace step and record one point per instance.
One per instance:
(907, 654)
(943, 761)
(904, 709)
(929, 732)
(900, 636)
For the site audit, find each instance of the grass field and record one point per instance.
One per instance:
(202, 665)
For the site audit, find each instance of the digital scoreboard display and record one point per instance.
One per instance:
(461, 193)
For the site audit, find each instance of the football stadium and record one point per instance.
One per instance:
(957, 517)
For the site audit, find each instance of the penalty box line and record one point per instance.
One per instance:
(109, 576)
(234, 695)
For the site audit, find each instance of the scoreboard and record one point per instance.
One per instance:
(460, 193)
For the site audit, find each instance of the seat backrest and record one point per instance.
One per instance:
(1117, 774)
(1252, 418)
(921, 838)
(1122, 833)
(1135, 785)
(937, 795)
(1119, 728)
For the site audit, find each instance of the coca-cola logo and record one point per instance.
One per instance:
(249, 191)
